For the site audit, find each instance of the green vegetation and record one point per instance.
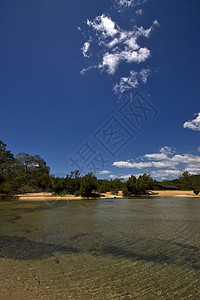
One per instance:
(26, 173)
(185, 182)
(141, 185)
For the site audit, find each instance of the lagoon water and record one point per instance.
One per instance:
(100, 249)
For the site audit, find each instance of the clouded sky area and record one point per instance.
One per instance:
(110, 87)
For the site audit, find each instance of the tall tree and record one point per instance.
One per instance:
(88, 185)
(7, 176)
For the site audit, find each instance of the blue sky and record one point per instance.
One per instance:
(71, 70)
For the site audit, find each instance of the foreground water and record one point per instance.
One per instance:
(100, 249)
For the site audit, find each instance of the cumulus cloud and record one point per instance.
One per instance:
(117, 45)
(165, 163)
(193, 124)
(111, 46)
(110, 62)
(163, 174)
(103, 24)
(186, 159)
(193, 169)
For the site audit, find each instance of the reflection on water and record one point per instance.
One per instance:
(100, 249)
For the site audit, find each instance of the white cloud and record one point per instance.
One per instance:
(126, 83)
(166, 173)
(193, 170)
(139, 12)
(155, 22)
(135, 56)
(163, 155)
(144, 74)
(132, 43)
(167, 161)
(129, 3)
(83, 71)
(113, 176)
(128, 164)
(110, 62)
(167, 150)
(156, 156)
(186, 159)
(118, 45)
(104, 24)
(193, 124)
(198, 149)
(142, 165)
(132, 81)
(124, 177)
(104, 172)
(85, 49)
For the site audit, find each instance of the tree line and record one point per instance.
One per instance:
(25, 173)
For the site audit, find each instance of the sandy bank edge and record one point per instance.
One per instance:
(50, 197)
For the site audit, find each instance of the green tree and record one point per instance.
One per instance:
(88, 185)
(32, 173)
(185, 181)
(139, 186)
(144, 183)
(7, 174)
(131, 185)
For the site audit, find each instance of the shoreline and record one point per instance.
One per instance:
(49, 197)
(173, 193)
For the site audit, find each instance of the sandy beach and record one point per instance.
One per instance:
(170, 193)
(50, 197)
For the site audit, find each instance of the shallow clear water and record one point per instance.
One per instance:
(100, 249)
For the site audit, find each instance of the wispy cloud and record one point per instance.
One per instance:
(113, 176)
(129, 3)
(132, 81)
(139, 11)
(165, 163)
(124, 177)
(193, 124)
(104, 172)
(142, 165)
(127, 83)
(85, 49)
(144, 74)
